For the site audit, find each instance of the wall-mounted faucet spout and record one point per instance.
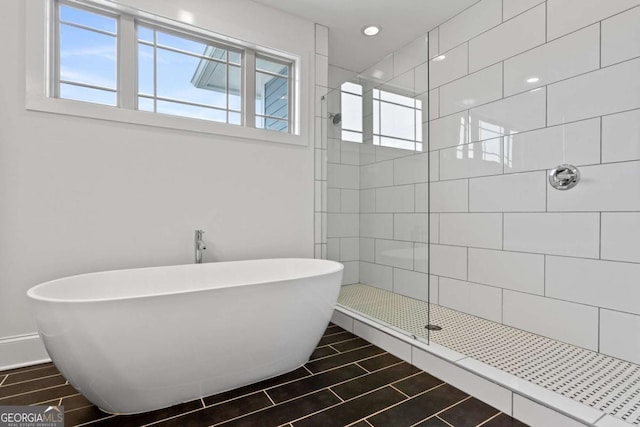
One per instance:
(200, 247)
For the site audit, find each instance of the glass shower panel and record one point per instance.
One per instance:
(378, 197)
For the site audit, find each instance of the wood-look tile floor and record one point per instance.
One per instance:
(347, 382)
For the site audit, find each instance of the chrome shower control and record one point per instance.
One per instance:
(564, 177)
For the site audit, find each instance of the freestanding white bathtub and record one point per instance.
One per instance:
(136, 340)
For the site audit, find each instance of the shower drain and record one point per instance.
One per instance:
(433, 327)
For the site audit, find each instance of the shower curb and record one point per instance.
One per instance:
(521, 399)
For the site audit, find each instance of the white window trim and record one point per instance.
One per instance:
(38, 86)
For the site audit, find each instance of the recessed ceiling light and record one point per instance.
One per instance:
(533, 80)
(371, 30)
(439, 58)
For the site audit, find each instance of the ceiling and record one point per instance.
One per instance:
(402, 21)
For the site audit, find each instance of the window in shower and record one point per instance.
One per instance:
(351, 110)
(397, 121)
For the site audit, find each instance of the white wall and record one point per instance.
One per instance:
(80, 195)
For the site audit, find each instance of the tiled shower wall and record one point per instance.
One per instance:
(521, 87)
(320, 125)
(378, 196)
(517, 87)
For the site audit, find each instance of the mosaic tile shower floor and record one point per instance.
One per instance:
(603, 382)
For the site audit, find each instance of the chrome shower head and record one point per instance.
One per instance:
(336, 118)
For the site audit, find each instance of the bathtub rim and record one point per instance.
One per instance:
(33, 295)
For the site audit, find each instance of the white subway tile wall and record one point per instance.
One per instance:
(321, 172)
(514, 36)
(479, 300)
(568, 92)
(511, 8)
(516, 88)
(575, 324)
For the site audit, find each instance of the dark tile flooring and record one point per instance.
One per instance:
(347, 382)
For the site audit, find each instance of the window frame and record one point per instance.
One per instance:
(55, 42)
(40, 29)
(290, 87)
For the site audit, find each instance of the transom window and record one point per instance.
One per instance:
(107, 57)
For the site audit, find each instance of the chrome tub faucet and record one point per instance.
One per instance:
(200, 246)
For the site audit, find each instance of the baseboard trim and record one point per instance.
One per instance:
(22, 350)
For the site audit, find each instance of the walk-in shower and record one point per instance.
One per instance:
(473, 201)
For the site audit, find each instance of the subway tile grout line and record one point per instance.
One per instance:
(32, 391)
(546, 22)
(388, 407)
(362, 367)
(203, 404)
(92, 422)
(485, 248)
(436, 415)
(340, 342)
(337, 404)
(269, 397)
(599, 328)
(387, 366)
(528, 130)
(325, 388)
(3, 380)
(544, 275)
(30, 380)
(254, 392)
(526, 51)
(27, 369)
(529, 89)
(399, 391)
(335, 333)
(332, 348)
(65, 397)
(600, 235)
(463, 177)
(520, 292)
(409, 376)
(364, 394)
(337, 354)
(444, 421)
(490, 419)
(455, 404)
(599, 45)
(334, 393)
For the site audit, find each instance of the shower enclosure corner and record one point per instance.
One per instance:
(374, 155)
